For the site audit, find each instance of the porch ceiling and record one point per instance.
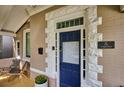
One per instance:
(12, 17)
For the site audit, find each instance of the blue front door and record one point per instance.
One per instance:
(70, 59)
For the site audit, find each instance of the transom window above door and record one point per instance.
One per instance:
(70, 23)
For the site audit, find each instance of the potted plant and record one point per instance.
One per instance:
(41, 81)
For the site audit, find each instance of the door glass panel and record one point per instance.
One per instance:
(72, 23)
(63, 24)
(71, 52)
(67, 23)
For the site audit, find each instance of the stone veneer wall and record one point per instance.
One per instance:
(93, 53)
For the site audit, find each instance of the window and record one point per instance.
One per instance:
(6, 46)
(18, 48)
(0, 45)
(84, 54)
(26, 45)
(70, 23)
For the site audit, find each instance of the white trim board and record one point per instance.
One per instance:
(7, 34)
(42, 72)
(24, 45)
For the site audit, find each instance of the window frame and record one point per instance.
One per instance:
(24, 45)
(27, 33)
(18, 54)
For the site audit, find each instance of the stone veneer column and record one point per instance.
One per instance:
(92, 38)
(93, 52)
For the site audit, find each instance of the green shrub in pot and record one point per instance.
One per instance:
(41, 79)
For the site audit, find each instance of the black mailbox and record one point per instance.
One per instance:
(40, 50)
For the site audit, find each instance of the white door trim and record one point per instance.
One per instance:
(79, 12)
(70, 12)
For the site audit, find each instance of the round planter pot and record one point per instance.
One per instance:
(42, 85)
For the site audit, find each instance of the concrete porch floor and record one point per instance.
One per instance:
(8, 80)
(13, 80)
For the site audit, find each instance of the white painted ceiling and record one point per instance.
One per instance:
(12, 17)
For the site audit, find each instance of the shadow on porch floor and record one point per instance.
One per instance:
(9, 80)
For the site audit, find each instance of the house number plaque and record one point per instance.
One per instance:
(106, 44)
